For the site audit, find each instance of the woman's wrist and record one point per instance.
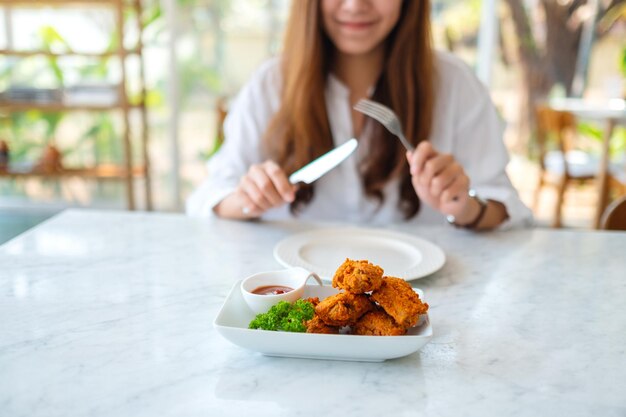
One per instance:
(231, 207)
(483, 206)
(480, 214)
(474, 209)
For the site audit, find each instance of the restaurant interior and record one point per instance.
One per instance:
(118, 105)
(117, 300)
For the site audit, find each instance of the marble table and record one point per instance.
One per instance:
(110, 314)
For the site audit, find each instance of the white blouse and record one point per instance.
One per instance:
(465, 125)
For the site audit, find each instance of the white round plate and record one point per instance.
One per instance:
(323, 251)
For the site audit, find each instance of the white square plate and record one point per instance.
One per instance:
(234, 316)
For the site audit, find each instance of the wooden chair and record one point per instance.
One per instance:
(617, 176)
(614, 217)
(564, 165)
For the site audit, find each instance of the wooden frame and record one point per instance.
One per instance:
(127, 172)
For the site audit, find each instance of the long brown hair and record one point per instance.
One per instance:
(300, 131)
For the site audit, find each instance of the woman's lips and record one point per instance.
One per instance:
(356, 25)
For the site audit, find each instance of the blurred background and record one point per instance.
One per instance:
(118, 104)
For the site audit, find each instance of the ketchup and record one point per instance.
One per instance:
(271, 290)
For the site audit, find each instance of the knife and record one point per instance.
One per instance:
(315, 169)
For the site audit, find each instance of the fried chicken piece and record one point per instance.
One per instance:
(316, 325)
(377, 323)
(343, 309)
(313, 300)
(398, 299)
(358, 277)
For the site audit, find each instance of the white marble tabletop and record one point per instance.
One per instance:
(110, 314)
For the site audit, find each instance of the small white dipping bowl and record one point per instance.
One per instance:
(295, 278)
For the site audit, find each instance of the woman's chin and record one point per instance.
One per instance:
(355, 48)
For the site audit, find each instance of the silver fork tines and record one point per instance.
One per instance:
(386, 117)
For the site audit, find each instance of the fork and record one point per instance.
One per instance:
(386, 117)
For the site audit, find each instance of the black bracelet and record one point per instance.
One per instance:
(481, 213)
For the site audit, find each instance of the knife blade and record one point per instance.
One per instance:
(320, 166)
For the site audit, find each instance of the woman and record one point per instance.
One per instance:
(299, 107)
